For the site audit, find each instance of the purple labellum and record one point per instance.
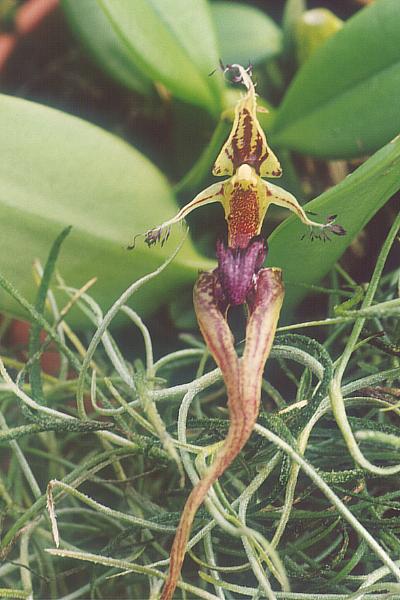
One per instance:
(236, 271)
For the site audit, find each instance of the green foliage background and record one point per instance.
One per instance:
(96, 440)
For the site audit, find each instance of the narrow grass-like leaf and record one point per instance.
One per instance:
(13, 594)
(34, 340)
(171, 42)
(355, 200)
(71, 425)
(342, 102)
(57, 170)
(299, 419)
(245, 34)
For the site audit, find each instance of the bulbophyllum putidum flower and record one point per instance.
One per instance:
(238, 279)
(246, 158)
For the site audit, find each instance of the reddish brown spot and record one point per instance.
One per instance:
(248, 125)
(244, 216)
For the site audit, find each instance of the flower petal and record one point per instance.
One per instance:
(243, 382)
(247, 143)
(281, 197)
(265, 306)
(159, 234)
(219, 340)
(215, 329)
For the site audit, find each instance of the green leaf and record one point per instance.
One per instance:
(92, 27)
(12, 593)
(355, 200)
(35, 370)
(57, 170)
(343, 101)
(245, 34)
(171, 42)
(291, 14)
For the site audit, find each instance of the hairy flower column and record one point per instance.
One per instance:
(263, 292)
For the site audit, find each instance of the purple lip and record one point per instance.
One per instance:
(236, 271)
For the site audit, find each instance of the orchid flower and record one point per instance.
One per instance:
(238, 279)
(245, 196)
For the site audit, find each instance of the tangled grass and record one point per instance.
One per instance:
(96, 463)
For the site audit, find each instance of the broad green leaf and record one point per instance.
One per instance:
(343, 101)
(94, 30)
(57, 170)
(355, 200)
(171, 42)
(245, 34)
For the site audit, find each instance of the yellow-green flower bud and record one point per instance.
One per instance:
(312, 30)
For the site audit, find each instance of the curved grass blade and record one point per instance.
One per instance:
(34, 339)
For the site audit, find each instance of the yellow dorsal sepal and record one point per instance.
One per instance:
(247, 143)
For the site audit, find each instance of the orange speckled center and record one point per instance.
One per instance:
(244, 216)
